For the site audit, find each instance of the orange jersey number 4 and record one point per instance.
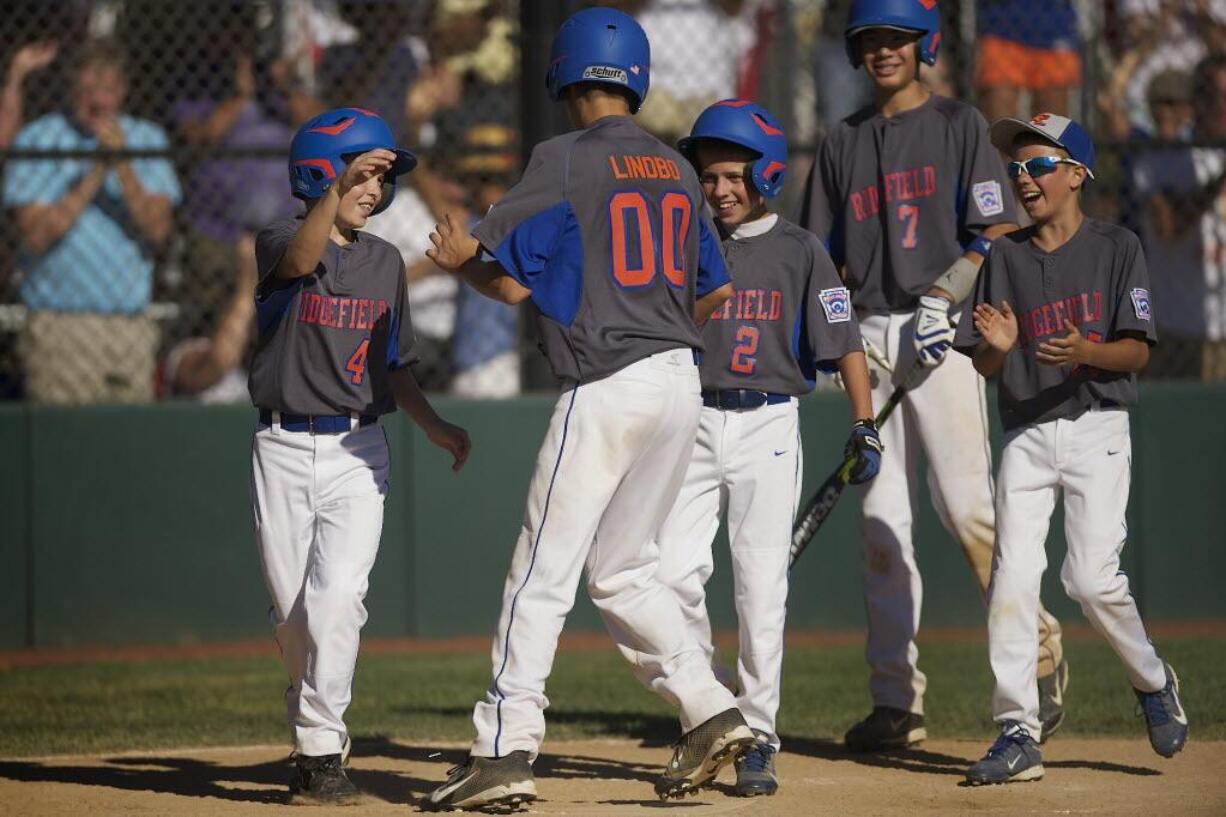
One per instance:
(357, 363)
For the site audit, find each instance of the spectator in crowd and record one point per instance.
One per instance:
(1169, 98)
(1170, 106)
(485, 351)
(227, 196)
(1026, 46)
(26, 60)
(90, 229)
(1184, 233)
(210, 368)
(1160, 36)
(697, 53)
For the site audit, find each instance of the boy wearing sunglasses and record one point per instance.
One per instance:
(1062, 317)
(908, 195)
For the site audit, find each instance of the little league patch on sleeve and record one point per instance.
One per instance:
(988, 198)
(1140, 303)
(837, 304)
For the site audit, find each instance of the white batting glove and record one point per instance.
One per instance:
(933, 333)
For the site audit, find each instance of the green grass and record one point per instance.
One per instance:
(425, 698)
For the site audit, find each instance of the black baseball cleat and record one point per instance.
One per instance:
(1164, 716)
(886, 728)
(321, 781)
(1051, 700)
(487, 784)
(1013, 758)
(702, 752)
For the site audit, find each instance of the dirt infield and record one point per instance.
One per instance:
(1102, 777)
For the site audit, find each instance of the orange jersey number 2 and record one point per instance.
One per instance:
(743, 360)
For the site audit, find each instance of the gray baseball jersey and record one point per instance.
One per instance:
(897, 199)
(608, 230)
(1097, 281)
(790, 315)
(327, 340)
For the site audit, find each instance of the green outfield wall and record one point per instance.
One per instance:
(126, 525)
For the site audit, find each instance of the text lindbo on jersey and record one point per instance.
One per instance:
(644, 167)
(341, 313)
(1049, 318)
(901, 185)
(751, 305)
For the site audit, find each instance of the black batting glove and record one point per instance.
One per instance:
(864, 445)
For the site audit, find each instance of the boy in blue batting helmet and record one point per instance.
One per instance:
(918, 16)
(332, 356)
(790, 316)
(752, 127)
(323, 146)
(604, 46)
(606, 236)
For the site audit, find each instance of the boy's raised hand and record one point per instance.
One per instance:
(453, 246)
(998, 327)
(369, 164)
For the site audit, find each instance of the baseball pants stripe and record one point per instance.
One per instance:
(506, 644)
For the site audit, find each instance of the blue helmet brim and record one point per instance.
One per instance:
(405, 162)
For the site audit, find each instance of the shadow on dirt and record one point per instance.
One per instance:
(923, 761)
(267, 782)
(259, 783)
(910, 760)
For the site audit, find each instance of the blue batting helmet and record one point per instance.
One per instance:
(600, 45)
(324, 145)
(752, 127)
(921, 16)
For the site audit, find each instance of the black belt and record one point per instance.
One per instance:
(317, 423)
(1104, 404)
(737, 399)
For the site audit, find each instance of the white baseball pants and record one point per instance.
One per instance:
(318, 506)
(945, 414)
(1090, 460)
(748, 464)
(606, 476)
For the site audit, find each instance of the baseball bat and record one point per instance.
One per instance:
(827, 495)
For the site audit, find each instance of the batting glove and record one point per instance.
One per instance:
(865, 446)
(933, 333)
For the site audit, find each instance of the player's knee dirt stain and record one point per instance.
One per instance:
(879, 561)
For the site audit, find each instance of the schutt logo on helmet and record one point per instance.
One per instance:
(605, 72)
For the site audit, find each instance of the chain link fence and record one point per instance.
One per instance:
(143, 141)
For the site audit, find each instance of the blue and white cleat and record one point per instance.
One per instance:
(1164, 716)
(1013, 758)
(755, 769)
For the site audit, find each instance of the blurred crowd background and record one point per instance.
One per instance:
(142, 142)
